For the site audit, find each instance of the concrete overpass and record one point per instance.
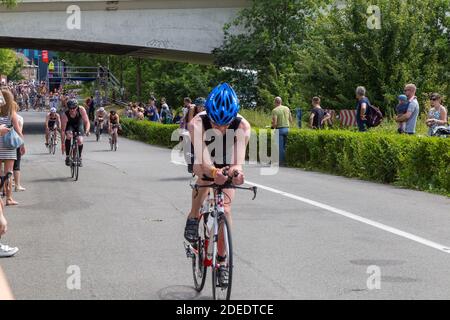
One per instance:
(179, 30)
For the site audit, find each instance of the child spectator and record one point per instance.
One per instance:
(402, 108)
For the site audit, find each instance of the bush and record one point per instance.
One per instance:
(416, 162)
(149, 132)
(412, 161)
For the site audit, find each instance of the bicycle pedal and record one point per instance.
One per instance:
(188, 248)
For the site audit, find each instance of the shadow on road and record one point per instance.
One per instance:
(58, 179)
(175, 179)
(180, 293)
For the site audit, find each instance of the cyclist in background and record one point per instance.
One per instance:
(74, 120)
(114, 124)
(221, 116)
(100, 117)
(52, 122)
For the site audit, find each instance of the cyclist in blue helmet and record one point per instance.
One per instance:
(219, 138)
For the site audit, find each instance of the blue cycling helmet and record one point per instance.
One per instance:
(222, 105)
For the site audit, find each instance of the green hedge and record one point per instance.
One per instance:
(411, 161)
(416, 162)
(149, 132)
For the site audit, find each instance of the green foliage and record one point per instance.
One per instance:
(416, 162)
(274, 31)
(172, 80)
(411, 47)
(305, 48)
(149, 132)
(8, 3)
(8, 61)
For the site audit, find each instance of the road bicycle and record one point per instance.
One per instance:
(74, 157)
(113, 138)
(213, 229)
(99, 128)
(52, 141)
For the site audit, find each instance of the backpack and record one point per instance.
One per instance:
(374, 116)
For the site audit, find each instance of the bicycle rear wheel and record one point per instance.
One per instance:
(223, 292)
(198, 267)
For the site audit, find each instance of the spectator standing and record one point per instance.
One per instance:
(361, 108)
(185, 110)
(5, 251)
(281, 120)
(166, 114)
(299, 114)
(401, 109)
(437, 116)
(413, 110)
(318, 116)
(8, 117)
(20, 152)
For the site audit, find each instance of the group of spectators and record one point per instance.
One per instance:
(159, 111)
(9, 160)
(37, 96)
(407, 113)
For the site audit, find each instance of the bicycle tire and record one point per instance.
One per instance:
(77, 162)
(72, 168)
(217, 291)
(50, 145)
(199, 273)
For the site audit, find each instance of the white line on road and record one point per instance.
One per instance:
(352, 216)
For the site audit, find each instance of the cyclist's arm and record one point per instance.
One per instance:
(242, 138)
(203, 164)
(84, 116)
(63, 128)
(47, 118)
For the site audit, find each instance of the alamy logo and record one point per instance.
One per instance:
(374, 280)
(74, 280)
(374, 20)
(73, 22)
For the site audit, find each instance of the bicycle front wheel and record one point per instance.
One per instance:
(198, 267)
(221, 290)
(77, 162)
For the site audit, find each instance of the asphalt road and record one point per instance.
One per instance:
(306, 236)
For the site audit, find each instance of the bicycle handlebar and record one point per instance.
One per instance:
(226, 186)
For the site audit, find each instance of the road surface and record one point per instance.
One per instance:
(306, 236)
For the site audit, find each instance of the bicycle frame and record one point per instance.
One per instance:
(216, 210)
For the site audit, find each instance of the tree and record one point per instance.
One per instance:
(7, 61)
(8, 3)
(412, 46)
(172, 80)
(274, 30)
